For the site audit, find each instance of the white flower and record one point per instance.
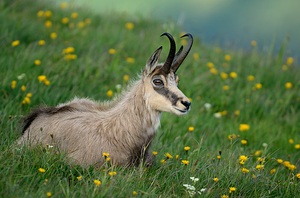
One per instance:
(265, 145)
(118, 86)
(189, 187)
(21, 76)
(218, 115)
(207, 106)
(194, 179)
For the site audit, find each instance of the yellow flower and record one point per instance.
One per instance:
(23, 88)
(292, 167)
(245, 170)
(297, 146)
(244, 142)
(37, 62)
(53, 35)
(70, 57)
(154, 153)
(224, 75)
(112, 173)
(129, 26)
(298, 175)
(111, 51)
(213, 71)
(244, 127)
(210, 65)
(257, 153)
(216, 179)
(97, 182)
(26, 100)
(29, 95)
(130, 60)
(224, 196)
(13, 84)
(63, 5)
(273, 171)
(258, 86)
(168, 156)
(191, 129)
(185, 162)
(87, 21)
(232, 189)
(48, 24)
(196, 56)
(69, 50)
(79, 178)
(163, 161)
(41, 170)
(250, 78)
(233, 75)
(279, 161)
(47, 82)
(65, 20)
(41, 42)
(42, 78)
(226, 87)
(259, 167)
(243, 159)
(109, 93)
(126, 77)
(291, 141)
(105, 155)
(74, 15)
(288, 85)
(15, 43)
(49, 194)
(227, 57)
(237, 112)
(219, 157)
(40, 13)
(232, 137)
(134, 193)
(48, 14)
(186, 148)
(289, 60)
(253, 43)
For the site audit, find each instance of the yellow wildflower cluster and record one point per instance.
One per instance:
(69, 53)
(27, 99)
(97, 182)
(106, 156)
(243, 159)
(43, 79)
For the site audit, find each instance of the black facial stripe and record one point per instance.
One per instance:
(168, 94)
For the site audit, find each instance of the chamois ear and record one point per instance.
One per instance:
(152, 61)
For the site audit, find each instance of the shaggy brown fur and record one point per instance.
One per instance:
(124, 128)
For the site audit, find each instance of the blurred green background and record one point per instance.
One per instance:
(228, 23)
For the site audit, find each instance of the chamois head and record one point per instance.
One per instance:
(161, 80)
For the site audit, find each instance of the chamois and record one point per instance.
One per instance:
(124, 128)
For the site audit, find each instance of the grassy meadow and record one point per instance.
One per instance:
(241, 138)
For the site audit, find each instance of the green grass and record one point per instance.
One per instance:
(272, 112)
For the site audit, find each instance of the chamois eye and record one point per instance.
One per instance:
(158, 82)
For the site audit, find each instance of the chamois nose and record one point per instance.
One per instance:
(187, 104)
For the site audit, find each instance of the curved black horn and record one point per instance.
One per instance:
(180, 55)
(167, 65)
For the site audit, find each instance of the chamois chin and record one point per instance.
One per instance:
(124, 128)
